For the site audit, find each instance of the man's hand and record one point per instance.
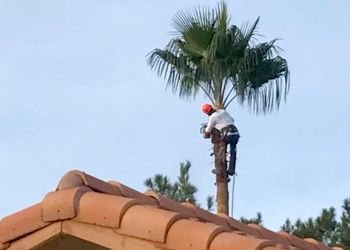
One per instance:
(206, 135)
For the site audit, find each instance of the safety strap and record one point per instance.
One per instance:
(228, 129)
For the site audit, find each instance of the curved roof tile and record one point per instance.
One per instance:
(113, 207)
(21, 223)
(237, 225)
(205, 215)
(62, 204)
(190, 234)
(132, 193)
(76, 178)
(298, 242)
(233, 241)
(267, 234)
(171, 205)
(148, 222)
(319, 245)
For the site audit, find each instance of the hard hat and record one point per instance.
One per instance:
(207, 108)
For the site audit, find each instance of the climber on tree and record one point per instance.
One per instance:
(221, 127)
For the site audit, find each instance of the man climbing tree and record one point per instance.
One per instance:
(221, 127)
(209, 54)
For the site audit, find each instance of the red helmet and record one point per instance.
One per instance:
(207, 108)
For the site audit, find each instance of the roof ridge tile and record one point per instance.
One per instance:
(76, 178)
(206, 216)
(268, 234)
(319, 245)
(62, 204)
(237, 225)
(170, 204)
(297, 241)
(132, 193)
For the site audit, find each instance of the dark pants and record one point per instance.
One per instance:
(232, 140)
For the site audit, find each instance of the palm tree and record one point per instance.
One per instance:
(208, 54)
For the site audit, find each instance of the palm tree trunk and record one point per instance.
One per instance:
(221, 177)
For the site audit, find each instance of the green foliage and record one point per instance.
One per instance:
(287, 226)
(325, 227)
(162, 185)
(209, 54)
(210, 203)
(255, 220)
(344, 225)
(182, 190)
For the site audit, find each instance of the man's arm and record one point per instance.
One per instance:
(210, 126)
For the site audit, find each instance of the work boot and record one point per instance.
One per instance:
(231, 171)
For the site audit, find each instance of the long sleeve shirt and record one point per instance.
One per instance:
(219, 120)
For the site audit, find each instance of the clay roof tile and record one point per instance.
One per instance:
(233, 241)
(298, 242)
(63, 204)
(103, 209)
(76, 178)
(132, 193)
(267, 234)
(189, 235)
(237, 225)
(148, 222)
(277, 247)
(3, 246)
(171, 205)
(319, 245)
(21, 223)
(205, 215)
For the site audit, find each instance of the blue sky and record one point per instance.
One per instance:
(76, 93)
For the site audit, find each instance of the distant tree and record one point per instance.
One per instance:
(182, 190)
(325, 227)
(210, 203)
(162, 185)
(344, 225)
(288, 226)
(255, 220)
(186, 190)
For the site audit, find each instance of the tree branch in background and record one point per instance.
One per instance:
(257, 220)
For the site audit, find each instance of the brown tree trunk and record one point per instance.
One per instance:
(221, 177)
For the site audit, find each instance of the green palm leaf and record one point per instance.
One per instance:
(209, 54)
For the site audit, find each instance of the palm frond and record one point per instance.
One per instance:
(222, 60)
(184, 78)
(249, 32)
(264, 85)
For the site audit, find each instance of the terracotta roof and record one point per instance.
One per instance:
(114, 216)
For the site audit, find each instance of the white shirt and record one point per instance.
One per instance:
(219, 119)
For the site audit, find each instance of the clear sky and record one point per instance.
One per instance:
(76, 93)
